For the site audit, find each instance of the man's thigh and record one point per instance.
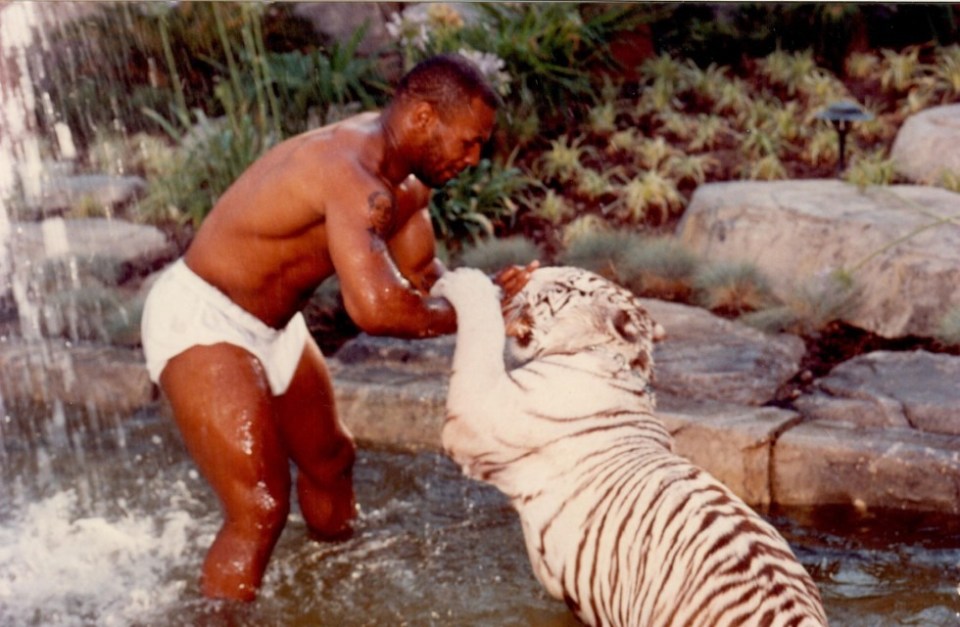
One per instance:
(309, 423)
(222, 404)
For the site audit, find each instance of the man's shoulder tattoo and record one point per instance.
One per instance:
(383, 213)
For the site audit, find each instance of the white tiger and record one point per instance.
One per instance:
(617, 525)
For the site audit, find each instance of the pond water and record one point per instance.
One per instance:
(111, 531)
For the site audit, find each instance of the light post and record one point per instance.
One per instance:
(841, 114)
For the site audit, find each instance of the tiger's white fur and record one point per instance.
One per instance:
(617, 525)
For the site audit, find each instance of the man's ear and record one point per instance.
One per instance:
(423, 115)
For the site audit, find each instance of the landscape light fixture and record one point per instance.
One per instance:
(841, 114)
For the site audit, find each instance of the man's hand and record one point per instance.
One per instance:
(513, 278)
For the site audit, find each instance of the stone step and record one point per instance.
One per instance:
(392, 392)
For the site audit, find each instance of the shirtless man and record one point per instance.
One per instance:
(222, 329)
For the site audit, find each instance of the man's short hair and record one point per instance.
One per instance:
(448, 82)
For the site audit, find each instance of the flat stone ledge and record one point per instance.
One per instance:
(732, 442)
(909, 390)
(816, 463)
(113, 238)
(391, 406)
(87, 376)
(394, 393)
(706, 357)
(56, 194)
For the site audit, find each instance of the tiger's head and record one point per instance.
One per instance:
(566, 310)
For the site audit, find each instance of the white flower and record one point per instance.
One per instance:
(410, 32)
(492, 67)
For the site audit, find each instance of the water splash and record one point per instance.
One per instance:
(62, 566)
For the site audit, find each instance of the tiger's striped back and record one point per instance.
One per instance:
(617, 525)
(635, 535)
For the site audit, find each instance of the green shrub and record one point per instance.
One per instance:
(468, 207)
(325, 81)
(208, 161)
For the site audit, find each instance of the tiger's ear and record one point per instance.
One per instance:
(626, 326)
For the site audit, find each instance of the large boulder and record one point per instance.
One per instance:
(340, 20)
(900, 243)
(928, 145)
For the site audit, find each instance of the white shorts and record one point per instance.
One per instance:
(182, 311)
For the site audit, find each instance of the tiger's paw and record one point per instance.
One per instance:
(466, 287)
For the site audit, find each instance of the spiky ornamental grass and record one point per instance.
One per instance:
(583, 226)
(732, 289)
(554, 208)
(946, 70)
(822, 147)
(812, 306)
(874, 168)
(595, 184)
(900, 71)
(645, 194)
(564, 159)
(492, 255)
(657, 267)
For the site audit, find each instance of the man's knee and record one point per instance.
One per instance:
(262, 511)
(343, 455)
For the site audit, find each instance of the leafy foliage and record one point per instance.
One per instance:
(468, 207)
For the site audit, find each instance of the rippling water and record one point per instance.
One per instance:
(115, 536)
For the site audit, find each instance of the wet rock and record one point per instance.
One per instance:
(705, 357)
(817, 463)
(429, 355)
(927, 146)
(80, 284)
(84, 377)
(896, 241)
(906, 390)
(393, 392)
(98, 192)
(734, 443)
(102, 244)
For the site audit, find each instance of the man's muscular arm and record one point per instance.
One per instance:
(377, 295)
(414, 248)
